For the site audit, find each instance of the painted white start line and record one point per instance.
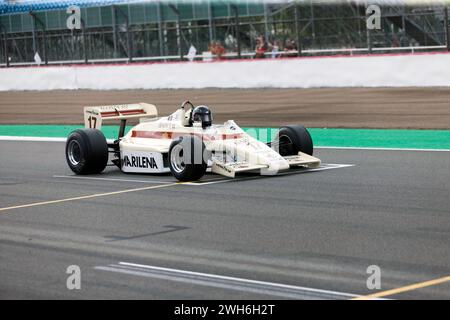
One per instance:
(225, 282)
(220, 179)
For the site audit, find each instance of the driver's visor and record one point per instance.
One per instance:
(207, 118)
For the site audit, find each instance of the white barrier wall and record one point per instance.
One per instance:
(421, 70)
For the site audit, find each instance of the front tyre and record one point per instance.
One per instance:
(186, 159)
(294, 139)
(87, 151)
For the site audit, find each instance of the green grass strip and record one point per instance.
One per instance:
(366, 138)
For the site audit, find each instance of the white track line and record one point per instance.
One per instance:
(208, 181)
(233, 283)
(110, 179)
(324, 167)
(91, 196)
(39, 139)
(384, 149)
(36, 139)
(48, 139)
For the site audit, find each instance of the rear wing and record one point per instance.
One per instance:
(94, 116)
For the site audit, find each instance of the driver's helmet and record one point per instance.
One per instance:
(202, 114)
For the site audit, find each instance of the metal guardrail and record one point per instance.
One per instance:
(245, 55)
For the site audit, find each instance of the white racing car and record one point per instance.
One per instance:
(185, 143)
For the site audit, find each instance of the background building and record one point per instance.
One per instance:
(119, 30)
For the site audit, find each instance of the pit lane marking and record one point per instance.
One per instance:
(411, 287)
(226, 282)
(98, 195)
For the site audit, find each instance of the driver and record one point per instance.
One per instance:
(202, 114)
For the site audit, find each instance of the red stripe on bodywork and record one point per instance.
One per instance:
(124, 112)
(173, 135)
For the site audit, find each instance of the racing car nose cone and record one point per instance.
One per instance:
(275, 167)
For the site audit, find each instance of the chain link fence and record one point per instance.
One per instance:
(169, 30)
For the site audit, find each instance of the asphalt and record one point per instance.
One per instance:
(310, 230)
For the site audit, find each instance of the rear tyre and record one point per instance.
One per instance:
(294, 139)
(186, 159)
(87, 151)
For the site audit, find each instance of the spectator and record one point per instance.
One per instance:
(212, 47)
(290, 49)
(395, 42)
(276, 49)
(404, 41)
(261, 47)
(217, 49)
(230, 42)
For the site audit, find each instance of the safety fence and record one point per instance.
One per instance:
(118, 32)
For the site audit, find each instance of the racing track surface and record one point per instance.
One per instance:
(319, 230)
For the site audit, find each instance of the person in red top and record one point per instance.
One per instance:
(217, 49)
(261, 47)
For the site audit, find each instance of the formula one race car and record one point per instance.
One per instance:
(185, 143)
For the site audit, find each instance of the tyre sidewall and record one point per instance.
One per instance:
(300, 138)
(192, 171)
(94, 151)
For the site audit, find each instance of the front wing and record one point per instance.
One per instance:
(230, 169)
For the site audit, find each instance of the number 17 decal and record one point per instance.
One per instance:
(92, 122)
